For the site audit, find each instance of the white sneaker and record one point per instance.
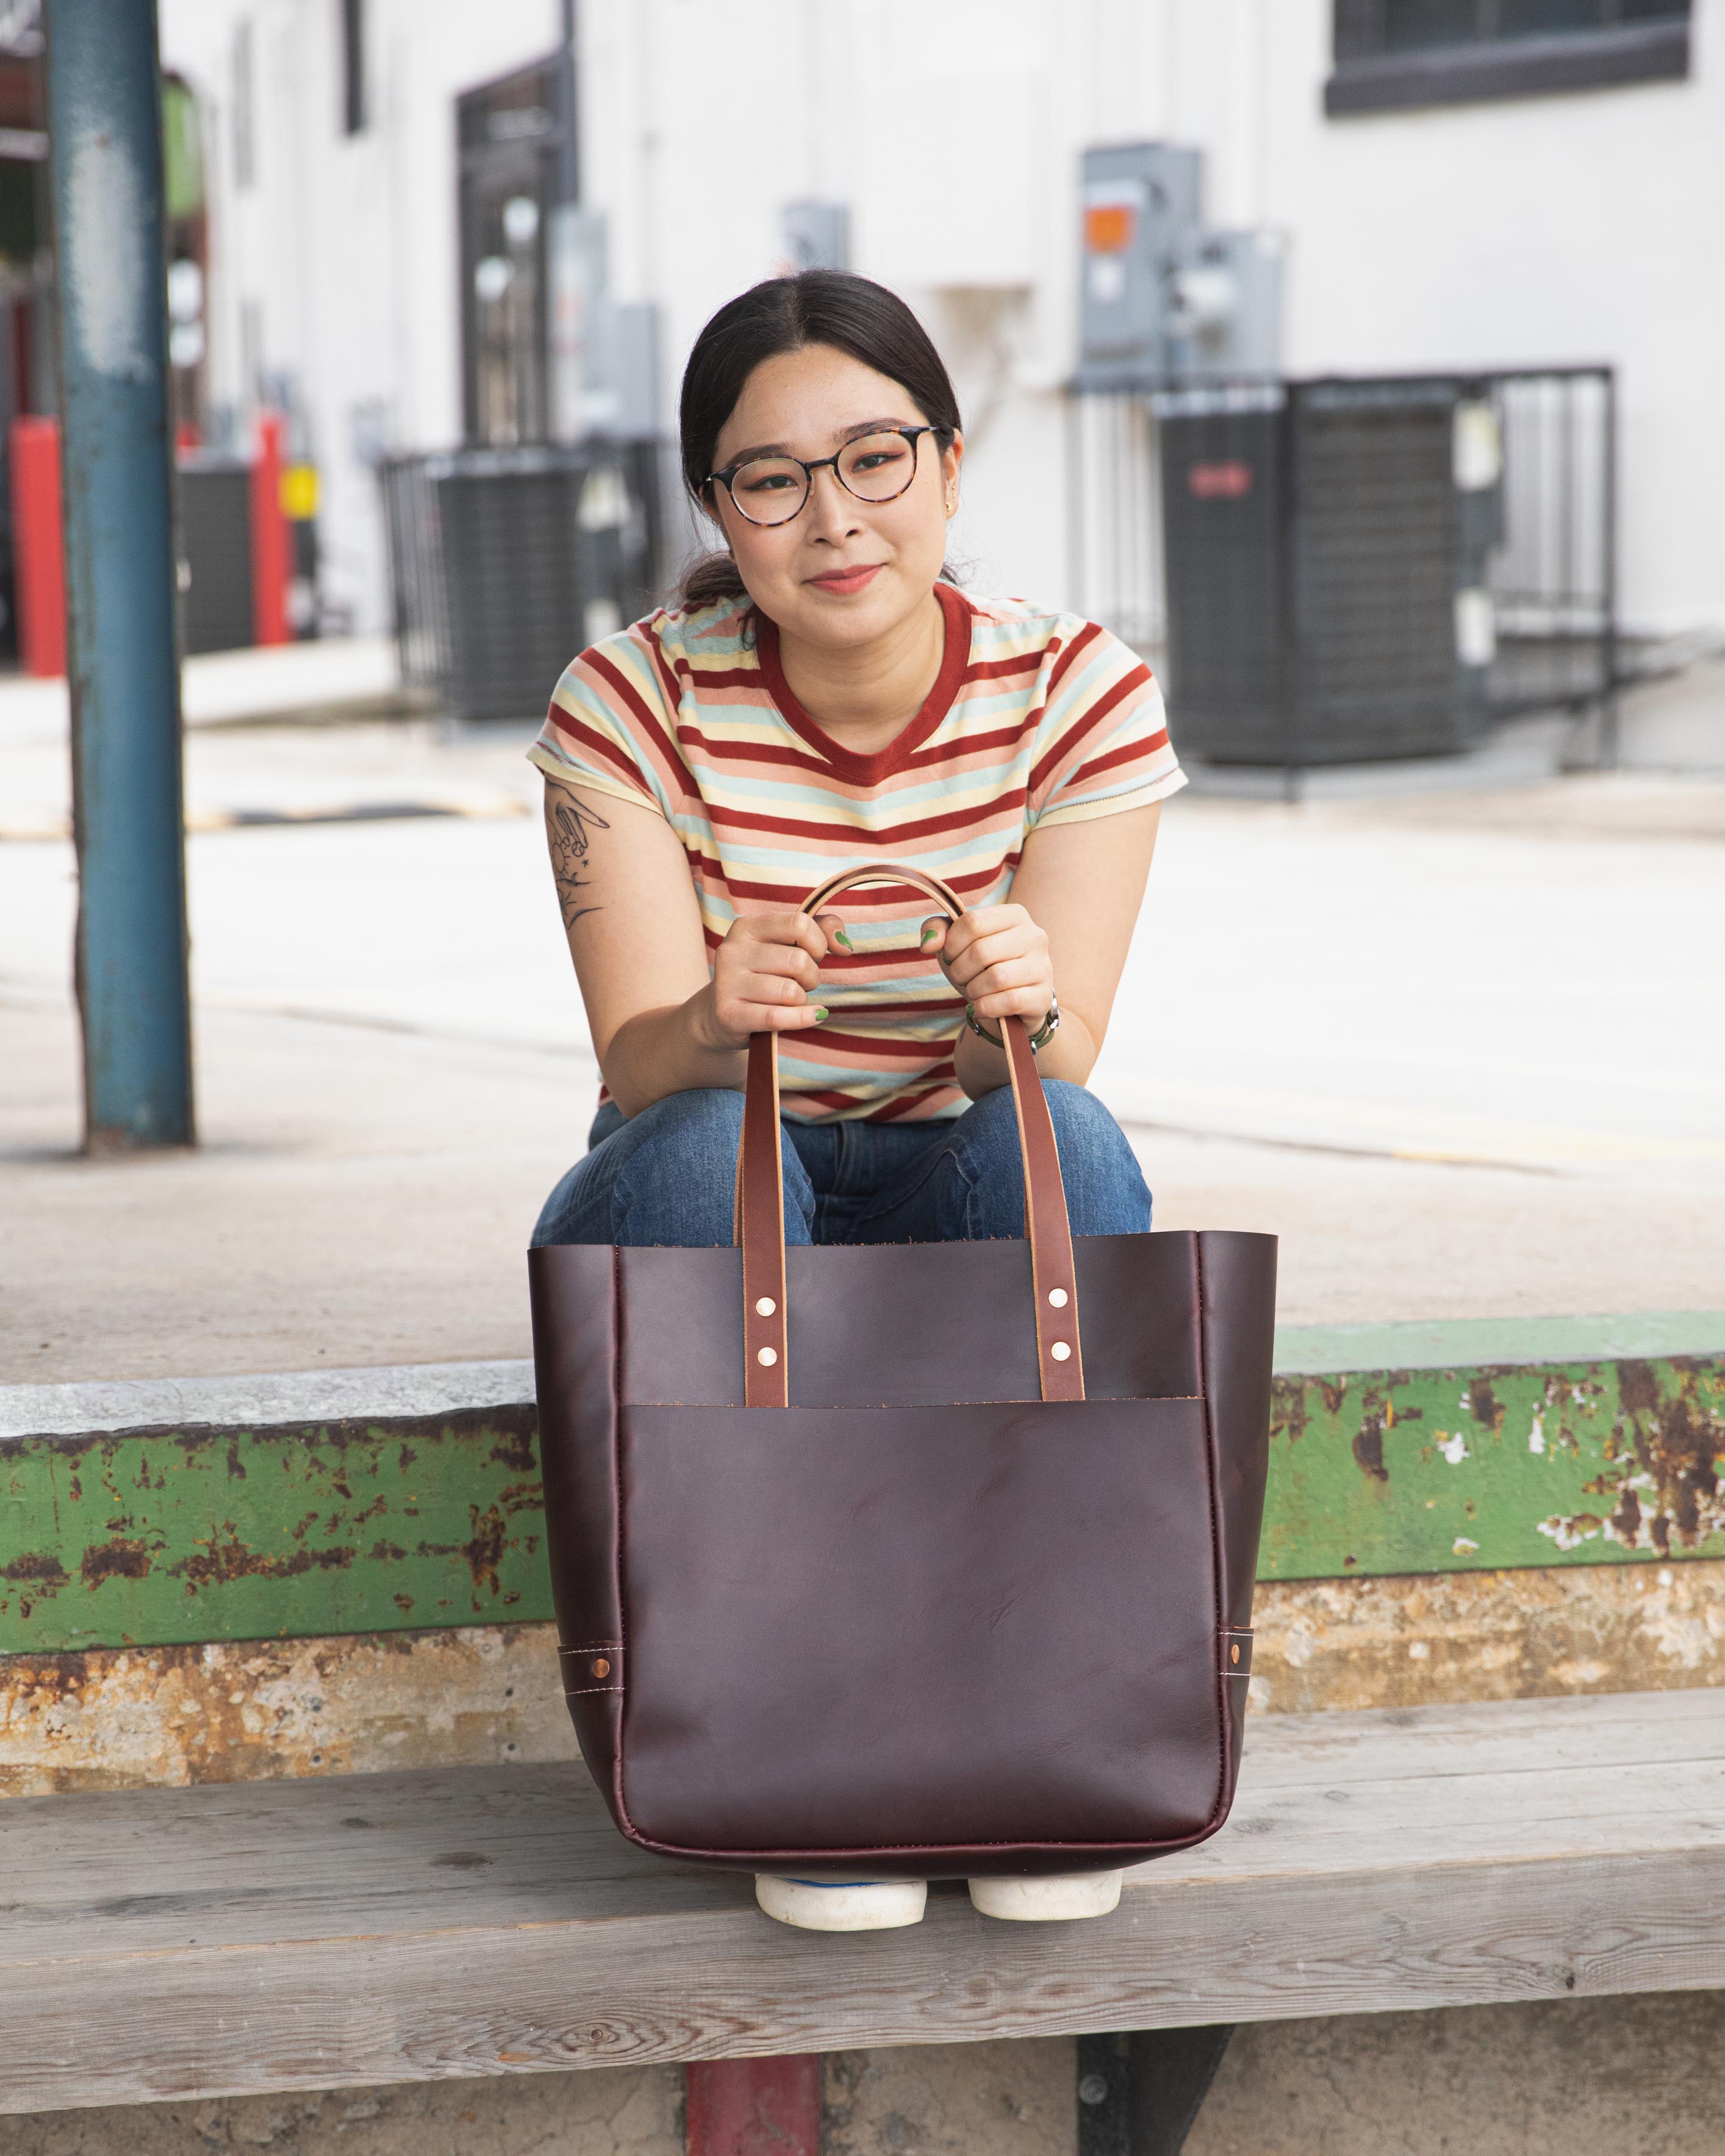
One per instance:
(1048, 1900)
(842, 1905)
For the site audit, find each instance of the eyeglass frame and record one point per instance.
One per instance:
(911, 435)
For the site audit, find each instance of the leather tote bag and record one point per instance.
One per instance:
(929, 1560)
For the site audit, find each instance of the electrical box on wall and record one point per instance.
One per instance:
(1225, 316)
(1139, 206)
(1160, 299)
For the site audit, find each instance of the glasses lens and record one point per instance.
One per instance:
(878, 466)
(770, 491)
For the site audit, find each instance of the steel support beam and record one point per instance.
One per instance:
(104, 127)
(1140, 2095)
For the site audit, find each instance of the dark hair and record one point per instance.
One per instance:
(854, 315)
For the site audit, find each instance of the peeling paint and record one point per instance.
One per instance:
(1376, 1473)
(164, 1537)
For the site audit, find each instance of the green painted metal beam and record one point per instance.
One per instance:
(1455, 1343)
(234, 1510)
(379, 1500)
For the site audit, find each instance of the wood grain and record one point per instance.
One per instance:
(265, 1937)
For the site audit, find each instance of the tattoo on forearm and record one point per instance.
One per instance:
(570, 825)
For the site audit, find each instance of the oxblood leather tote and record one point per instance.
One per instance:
(920, 1559)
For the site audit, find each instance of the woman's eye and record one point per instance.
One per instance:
(773, 479)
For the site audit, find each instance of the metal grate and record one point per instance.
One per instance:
(506, 563)
(1343, 569)
(215, 534)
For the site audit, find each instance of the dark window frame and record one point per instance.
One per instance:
(1370, 79)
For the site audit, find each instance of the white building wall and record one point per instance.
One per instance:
(1566, 228)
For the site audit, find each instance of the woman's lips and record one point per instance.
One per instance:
(843, 581)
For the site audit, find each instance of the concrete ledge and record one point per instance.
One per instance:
(1462, 1343)
(398, 1392)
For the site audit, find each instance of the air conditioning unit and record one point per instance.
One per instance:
(1326, 546)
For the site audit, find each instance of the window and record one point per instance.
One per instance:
(354, 116)
(1393, 54)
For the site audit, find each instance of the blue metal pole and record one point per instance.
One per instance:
(104, 130)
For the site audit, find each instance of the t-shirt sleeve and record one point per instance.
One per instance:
(1103, 745)
(608, 730)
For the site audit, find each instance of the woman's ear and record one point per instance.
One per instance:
(951, 458)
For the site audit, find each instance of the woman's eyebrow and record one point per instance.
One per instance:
(779, 449)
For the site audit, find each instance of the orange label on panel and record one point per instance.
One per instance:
(1108, 227)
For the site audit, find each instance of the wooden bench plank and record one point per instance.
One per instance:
(180, 1942)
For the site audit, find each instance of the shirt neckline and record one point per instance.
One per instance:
(870, 770)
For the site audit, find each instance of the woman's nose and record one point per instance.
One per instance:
(832, 510)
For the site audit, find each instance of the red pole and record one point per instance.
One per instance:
(754, 2107)
(38, 541)
(272, 558)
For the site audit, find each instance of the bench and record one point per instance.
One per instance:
(304, 1934)
(238, 1583)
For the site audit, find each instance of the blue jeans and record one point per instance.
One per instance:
(668, 1175)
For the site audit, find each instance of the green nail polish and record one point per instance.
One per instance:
(843, 940)
(928, 936)
(820, 1013)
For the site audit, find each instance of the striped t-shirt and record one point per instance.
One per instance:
(1036, 717)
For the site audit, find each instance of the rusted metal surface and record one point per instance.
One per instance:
(289, 1528)
(463, 1695)
(165, 1536)
(1463, 1470)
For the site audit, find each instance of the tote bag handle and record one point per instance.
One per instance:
(760, 1195)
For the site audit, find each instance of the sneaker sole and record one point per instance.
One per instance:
(1048, 1900)
(859, 1906)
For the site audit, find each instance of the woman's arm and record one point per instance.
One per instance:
(1075, 902)
(660, 1023)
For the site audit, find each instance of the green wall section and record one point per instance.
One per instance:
(161, 1536)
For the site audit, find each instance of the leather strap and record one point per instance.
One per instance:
(761, 1193)
(761, 1177)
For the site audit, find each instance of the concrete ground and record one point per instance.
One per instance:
(1460, 1051)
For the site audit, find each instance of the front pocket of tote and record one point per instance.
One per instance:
(854, 1627)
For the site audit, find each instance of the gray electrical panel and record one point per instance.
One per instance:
(1225, 316)
(817, 235)
(1160, 299)
(1140, 207)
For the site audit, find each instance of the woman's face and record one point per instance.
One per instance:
(843, 571)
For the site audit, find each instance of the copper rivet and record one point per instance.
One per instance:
(1060, 1350)
(769, 1356)
(602, 1668)
(1057, 1296)
(1234, 1652)
(766, 1307)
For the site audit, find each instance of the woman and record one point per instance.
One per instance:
(822, 695)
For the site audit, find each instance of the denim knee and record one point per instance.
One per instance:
(667, 1175)
(1105, 1191)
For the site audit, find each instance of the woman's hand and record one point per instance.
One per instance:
(764, 973)
(998, 959)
